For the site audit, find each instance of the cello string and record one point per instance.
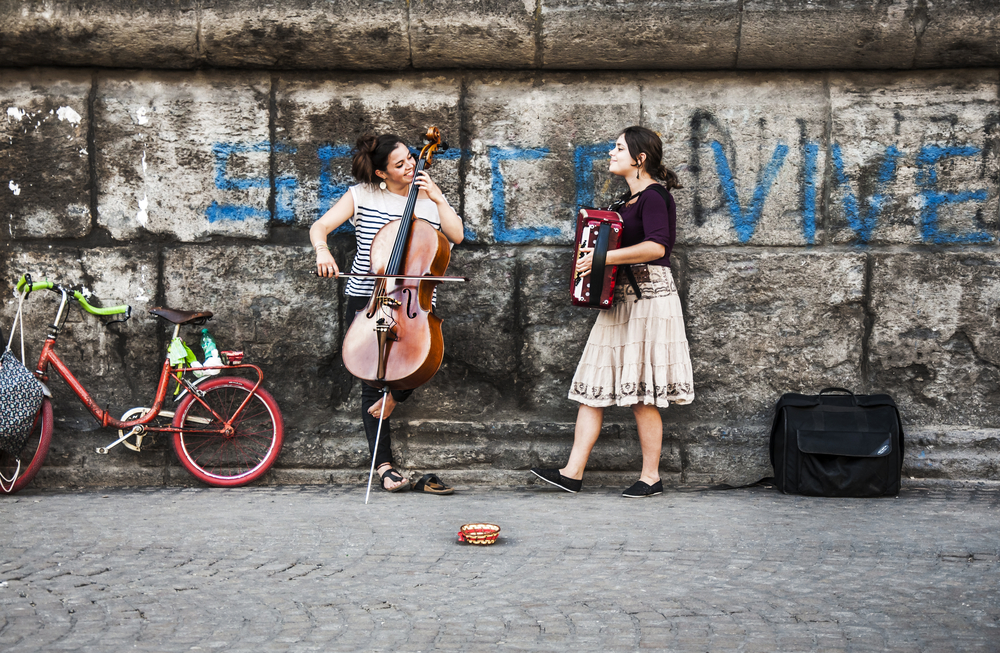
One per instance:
(403, 237)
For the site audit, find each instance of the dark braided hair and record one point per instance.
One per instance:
(641, 140)
(371, 154)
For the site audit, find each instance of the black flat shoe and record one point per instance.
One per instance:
(641, 489)
(555, 478)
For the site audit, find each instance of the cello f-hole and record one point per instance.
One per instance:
(409, 303)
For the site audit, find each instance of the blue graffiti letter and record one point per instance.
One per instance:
(500, 231)
(329, 191)
(932, 198)
(864, 226)
(809, 157)
(745, 222)
(583, 158)
(284, 186)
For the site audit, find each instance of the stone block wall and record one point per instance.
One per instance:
(837, 226)
(502, 34)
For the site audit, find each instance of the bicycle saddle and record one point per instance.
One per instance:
(181, 317)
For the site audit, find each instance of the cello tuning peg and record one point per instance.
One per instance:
(443, 147)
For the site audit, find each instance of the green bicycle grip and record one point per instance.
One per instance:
(37, 285)
(108, 310)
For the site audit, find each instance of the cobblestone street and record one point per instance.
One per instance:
(312, 568)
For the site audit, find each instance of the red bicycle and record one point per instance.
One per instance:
(227, 430)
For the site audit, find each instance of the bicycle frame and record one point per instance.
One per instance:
(49, 356)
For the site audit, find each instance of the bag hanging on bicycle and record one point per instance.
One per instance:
(837, 445)
(20, 398)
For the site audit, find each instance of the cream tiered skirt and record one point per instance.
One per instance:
(637, 351)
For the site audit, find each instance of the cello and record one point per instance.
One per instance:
(395, 343)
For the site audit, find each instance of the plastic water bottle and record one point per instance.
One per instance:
(211, 352)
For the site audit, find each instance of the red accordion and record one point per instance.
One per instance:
(601, 230)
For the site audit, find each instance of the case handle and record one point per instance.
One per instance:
(854, 400)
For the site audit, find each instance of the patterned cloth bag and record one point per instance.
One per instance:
(20, 398)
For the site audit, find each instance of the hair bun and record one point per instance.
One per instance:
(366, 143)
(372, 154)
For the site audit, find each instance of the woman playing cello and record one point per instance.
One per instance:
(384, 168)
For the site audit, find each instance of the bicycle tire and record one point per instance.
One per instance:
(34, 452)
(240, 457)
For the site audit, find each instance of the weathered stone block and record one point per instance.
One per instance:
(472, 33)
(731, 455)
(119, 365)
(952, 453)
(555, 331)
(319, 121)
(481, 314)
(72, 462)
(747, 151)
(481, 343)
(763, 324)
(444, 445)
(122, 468)
(957, 34)
(820, 34)
(117, 34)
(338, 443)
(934, 343)
(306, 34)
(44, 163)
(669, 34)
(183, 154)
(539, 151)
(269, 305)
(560, 34)
(914, 158)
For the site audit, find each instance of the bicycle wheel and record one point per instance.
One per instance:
(239, 455)
(34, 452)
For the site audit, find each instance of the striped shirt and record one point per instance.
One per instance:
(373, 209)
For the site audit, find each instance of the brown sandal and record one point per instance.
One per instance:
(431, 484)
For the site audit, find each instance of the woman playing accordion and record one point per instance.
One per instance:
(637, 352)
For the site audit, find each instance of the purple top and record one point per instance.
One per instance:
(651, 218)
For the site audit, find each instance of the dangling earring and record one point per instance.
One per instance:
(382, 185)
(637, 170)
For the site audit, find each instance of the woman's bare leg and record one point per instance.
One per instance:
(650, 424)
(588, 428)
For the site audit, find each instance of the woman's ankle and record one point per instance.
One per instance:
(576, 477)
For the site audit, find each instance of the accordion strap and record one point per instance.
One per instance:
(633, 282)
(599, 263)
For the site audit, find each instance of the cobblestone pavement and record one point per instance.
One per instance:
(311, 568)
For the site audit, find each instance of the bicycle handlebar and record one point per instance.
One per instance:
(22, 285)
